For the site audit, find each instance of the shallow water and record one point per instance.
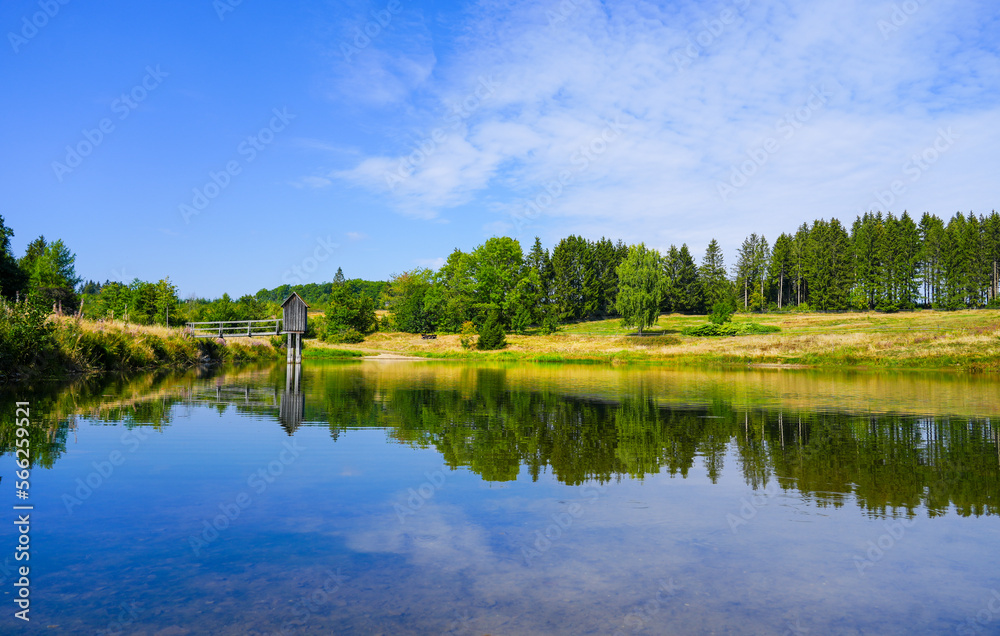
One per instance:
(445, 498)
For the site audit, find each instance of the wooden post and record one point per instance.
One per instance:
(298, 348)
(288, 347)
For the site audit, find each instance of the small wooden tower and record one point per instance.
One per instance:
(294, 321)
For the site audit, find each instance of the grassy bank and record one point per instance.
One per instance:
(965, 340)
(68, 345)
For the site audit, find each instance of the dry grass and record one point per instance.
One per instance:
(968, 340)
(88, 345)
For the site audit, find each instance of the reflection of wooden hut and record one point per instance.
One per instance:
(293, 403)
(294, 321)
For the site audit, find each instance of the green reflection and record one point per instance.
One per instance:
(897, 442)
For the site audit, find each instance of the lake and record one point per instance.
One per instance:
(370, 497)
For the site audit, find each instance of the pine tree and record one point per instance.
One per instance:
(491, 335)
(800, 245)
(573, 277)
(907, 262)
(338, 278)
(782, 264)
(829, 265)
(991, 237)
(714, 284)
(931, 230)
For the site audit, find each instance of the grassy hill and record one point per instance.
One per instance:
(966, 340)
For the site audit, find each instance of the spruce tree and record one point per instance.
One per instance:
(491, 335)
(714, 284)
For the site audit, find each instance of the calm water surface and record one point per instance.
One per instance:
(441, 498)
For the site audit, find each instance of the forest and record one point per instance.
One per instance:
(881, 263)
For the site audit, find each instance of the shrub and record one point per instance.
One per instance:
(730, 329)
(25, 333)
(550, 324)
(349, 335)
(467, 334)
(722, 312)
(711, 329)
(492, 335)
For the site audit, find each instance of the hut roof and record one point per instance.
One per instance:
(290, 297)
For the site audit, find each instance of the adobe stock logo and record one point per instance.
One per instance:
(39, 20)
(123, 105)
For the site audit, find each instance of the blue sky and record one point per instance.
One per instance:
(378, 136)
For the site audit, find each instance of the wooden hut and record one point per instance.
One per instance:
(294, 314)
(294, 322)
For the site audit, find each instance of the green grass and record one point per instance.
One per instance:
(967, 340)
(331, 353)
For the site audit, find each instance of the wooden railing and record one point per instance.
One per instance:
(235, 328)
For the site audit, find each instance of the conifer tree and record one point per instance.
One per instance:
(712, 273)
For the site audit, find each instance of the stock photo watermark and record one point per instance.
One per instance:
(230, 511)
(421, 495)
(222, 7)
(561, 523)
(324, 249)
(427, 146)
(563, 12)
(364, 35)
(122, 106)
(898, 17)
(639, 619)
(990, 612)
(895, 530)
(248, 150)
(527, 211)
(750, 505)
(103, 470)
(32, 25)
(712, 30)
(312, 603)
(784, 129)
(914, 169)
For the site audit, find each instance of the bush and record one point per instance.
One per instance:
(25, 333)
(711, 329)
(550, 324)
(349, 336)
(492, 335)
(730, 329)
(722, 312)
(467, 334)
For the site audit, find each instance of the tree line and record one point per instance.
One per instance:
(881, 263)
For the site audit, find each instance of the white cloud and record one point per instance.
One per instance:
(698, 92)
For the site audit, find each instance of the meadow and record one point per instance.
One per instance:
(968, 340)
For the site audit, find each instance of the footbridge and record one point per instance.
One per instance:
(293, 322)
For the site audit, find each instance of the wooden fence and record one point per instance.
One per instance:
(235, 328)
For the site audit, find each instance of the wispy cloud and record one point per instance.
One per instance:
(697, 88)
